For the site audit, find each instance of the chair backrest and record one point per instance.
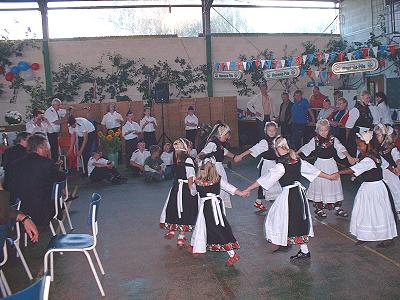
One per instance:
(37, 291)
(57, 196)
(93, 213)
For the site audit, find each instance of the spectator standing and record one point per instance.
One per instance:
(84, 130)
(38, 124)
(148, 124)
(130, 132)
(112, 120)
(260, 105)
(361, 119)
(383, 109)
(299, 118)
(55, 116)
(285, 115)
(191, 124)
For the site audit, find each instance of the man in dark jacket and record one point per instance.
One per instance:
(285, 116)
(31, 179)
(16, 152)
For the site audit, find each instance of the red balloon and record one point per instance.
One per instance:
(9, 76)
(35, 66)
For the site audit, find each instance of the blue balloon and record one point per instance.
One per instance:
(23, 66)
(14, 70)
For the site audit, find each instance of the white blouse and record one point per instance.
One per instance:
(363, 165)
(128, 127)
(259, 148)
(384, 113)
(308, 148)
(110, 120)
(150, 126)
(191, 119)
(212, 147)
(270, 178)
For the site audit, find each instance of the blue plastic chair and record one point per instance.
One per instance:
(37, 291)
(74, 242)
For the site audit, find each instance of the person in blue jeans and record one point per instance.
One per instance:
(299, 119)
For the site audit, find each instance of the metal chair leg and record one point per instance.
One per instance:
(3, 289)
(4, 280)
(68, 217)
(94, 273)
(25, 240)
(53, 232)
(62, 228)
(21, 256)
(98, 261)
(52, 265)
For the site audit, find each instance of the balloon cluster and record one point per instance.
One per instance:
(20, 67)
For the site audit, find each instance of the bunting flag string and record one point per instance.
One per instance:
(381, 52)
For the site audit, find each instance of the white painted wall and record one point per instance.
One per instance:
(151, 49)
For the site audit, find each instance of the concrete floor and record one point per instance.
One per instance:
(140, 264)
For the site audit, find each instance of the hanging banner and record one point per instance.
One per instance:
(228, 75)
(355, 66)
(282, 73)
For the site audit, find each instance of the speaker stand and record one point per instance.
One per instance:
(163, 135)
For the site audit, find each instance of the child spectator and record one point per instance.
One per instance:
(191, 123)
(138, 157)
(154, 167)
(100, 169)
(168, 158)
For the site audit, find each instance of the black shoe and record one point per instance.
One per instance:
(282, 249)
(300, 255)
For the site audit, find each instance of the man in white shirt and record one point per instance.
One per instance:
(138, 157)
(148, 125)
(55, 116)
(38, 124)
(112, 119)
(86, 133)
(130, 132)
(191, 124)
(260, 105)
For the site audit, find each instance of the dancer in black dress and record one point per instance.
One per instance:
(181, 207)
(213, 232)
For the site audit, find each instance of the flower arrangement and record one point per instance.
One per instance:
(13, 117)
(111, 141)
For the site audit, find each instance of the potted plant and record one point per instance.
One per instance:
(111, 144)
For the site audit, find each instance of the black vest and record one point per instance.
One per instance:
(219, 153)
(324, 147)
(365, 119)
(373, 174)
(292, 171)
(270, 154)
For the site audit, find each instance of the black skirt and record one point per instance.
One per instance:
(299, 218)
(189, 214)
(219, 238)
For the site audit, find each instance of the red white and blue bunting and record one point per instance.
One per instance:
(324, 60)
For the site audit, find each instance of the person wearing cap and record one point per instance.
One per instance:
(138, 157)
(191, 124)
(84, 130)
(55, 116)
(383, 109)
(112, 120)
(130, 132)
(38, 124)
(260, 105)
